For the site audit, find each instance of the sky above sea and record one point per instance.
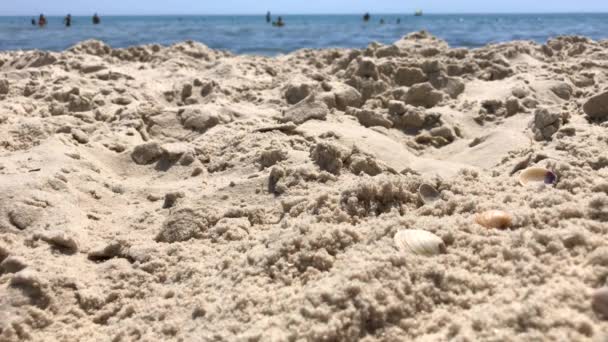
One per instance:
(197, 7)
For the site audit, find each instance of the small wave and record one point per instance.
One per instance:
(262, 50)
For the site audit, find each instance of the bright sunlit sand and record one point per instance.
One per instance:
(304, 181)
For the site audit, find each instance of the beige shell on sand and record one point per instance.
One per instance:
(599, 302)
(538, 176)
(427, 193)
(494, 219)
(419, 242)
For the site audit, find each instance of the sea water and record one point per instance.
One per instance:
(253, 35)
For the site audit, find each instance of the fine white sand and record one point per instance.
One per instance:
(185, 194)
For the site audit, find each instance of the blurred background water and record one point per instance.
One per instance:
(252, 35)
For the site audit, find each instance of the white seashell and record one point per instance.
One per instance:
(427, 193)
(419, 242)
(537, 176)
(494, 219)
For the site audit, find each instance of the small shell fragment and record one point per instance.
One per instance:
(419, 242)
(538, 176)
(427, 193)
(599, 302)
(494, 219)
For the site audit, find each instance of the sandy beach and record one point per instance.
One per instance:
(182, 193)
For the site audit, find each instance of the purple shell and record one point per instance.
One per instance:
(550, 178)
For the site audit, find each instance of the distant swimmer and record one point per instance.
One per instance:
(67, 20)
(33, 21)
(268, 17)
(42, 20)
(278, 23)
(96, 19)
(382, 21)
(398, 20)
(366, 17)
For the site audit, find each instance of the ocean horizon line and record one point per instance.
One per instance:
(408, 13)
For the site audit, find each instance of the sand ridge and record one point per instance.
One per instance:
(182, 193)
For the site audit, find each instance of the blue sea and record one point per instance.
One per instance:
(252, 35)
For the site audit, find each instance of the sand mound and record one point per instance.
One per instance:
(180, 193)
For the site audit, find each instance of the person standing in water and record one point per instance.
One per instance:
(366, 17)
(268, 17)
(96, 19)
(33, 21)
(279, 22)
(42, 20)
(67, 20)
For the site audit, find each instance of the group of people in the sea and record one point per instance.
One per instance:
(367, 17)
(281, 23)
(278, 23)
(67, 21)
